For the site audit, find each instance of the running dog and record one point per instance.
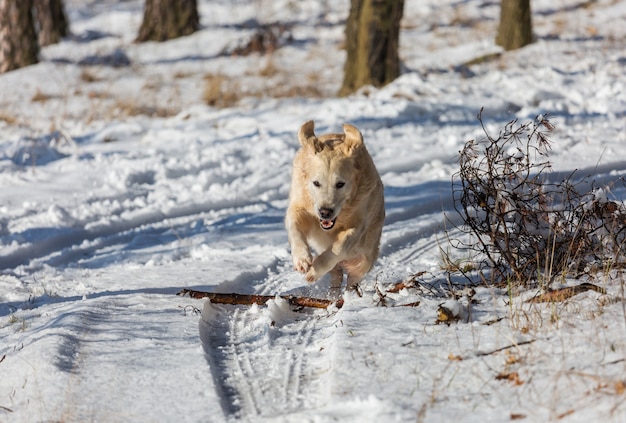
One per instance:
(336, 206)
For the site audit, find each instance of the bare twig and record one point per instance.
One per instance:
(482, 354)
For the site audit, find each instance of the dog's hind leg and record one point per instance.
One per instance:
(336, 277)
(356, 268)
(353, 281)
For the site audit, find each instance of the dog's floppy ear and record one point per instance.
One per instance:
(353, 138)
(307, 138)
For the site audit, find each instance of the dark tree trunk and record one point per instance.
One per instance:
(18, 39)
(372, 35)
(51, 20)
(515, 30)
(167, 19)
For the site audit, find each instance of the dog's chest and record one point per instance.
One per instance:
(320, 239)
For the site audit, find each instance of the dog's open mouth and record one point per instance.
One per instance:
(327, 224)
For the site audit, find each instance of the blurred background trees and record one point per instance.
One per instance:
(167, 19)
(25, 25)
(18, 40)
(515, 29)
(372, 37)
(51, 21)
(372, 32)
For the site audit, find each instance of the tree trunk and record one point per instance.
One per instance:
(515, 30)
(51, 20)
(372, 34)
(167, 19)
(18, 40)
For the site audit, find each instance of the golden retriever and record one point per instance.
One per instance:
(336, 206)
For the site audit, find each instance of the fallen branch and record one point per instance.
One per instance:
(565, 293)
(249, 299)
(482, 354)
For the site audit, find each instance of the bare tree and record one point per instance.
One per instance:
(372, 35)
(167, 19)
(51, 20)
(18, 39)
(515, 29)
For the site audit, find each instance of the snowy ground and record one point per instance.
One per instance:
(120, 187)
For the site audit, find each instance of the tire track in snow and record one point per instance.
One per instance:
(267, 368)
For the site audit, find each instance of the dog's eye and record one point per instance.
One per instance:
(317, 184)
(340, 185)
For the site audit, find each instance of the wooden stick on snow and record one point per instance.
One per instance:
(249, 299)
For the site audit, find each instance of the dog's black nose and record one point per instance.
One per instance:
(326, 213)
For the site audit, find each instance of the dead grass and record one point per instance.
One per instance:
(87, 76)
(183, 74)
(40, 97)
(270, 69)
(130, 107)
(98, 95)
(305, 90)
(221, 91)
(9, 119)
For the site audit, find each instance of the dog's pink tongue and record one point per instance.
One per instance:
(327, 223)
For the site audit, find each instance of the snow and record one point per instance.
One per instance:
(120, 187)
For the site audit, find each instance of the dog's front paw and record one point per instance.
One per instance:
(311, 275)
(302, 264)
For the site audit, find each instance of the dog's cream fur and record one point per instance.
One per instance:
(336, 206)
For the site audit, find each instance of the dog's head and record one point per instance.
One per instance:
(331, 170)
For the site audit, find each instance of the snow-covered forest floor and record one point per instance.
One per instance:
(130, 171)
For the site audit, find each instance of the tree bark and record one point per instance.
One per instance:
(515, 29)
(372, 37)
(18, 39)
(52, 21)
(167, 19)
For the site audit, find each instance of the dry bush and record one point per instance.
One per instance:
(220, 91)
(523, 226)
(264, 40)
